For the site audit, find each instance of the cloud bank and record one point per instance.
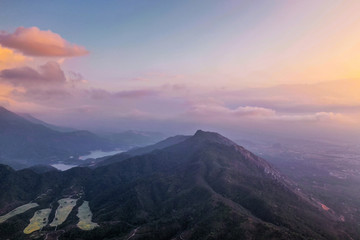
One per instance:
(30, 82)
(48, 74)
(215, 113)
(49, 82)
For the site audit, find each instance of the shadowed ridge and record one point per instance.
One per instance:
(139, 151)
(157, 146)
(201, 135)
(212, 144)
(3, 109)
(5, 170)
(212, 137)
(204, 182)
(6, 115)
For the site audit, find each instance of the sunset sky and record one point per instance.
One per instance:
(289, 68)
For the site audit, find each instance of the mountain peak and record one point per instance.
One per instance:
(207, 135)
(212, 137)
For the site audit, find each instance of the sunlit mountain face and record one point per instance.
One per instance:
(99, 103)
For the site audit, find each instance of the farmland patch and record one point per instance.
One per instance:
(17, 211)
(85, 217)
(63, 211)
(38, 221)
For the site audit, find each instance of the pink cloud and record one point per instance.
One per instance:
(332, 96)
(314, 117)
(213, 112)
(206, 110)
(48, 74)
(140, 79)
(174, 87)
(134, 93)
(101, 94)
(35, 42)
(38, 95)
(49, 82)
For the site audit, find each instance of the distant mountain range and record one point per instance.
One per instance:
(32, 119)
(26, 141)
(189, 187)
(131, 138)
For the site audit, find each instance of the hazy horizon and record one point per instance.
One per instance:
(286, 69)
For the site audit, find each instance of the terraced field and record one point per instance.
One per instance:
(18, 210)
(85, 217)
(62, 212)
(38, 221)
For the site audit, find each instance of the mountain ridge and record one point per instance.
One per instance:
(205, 187)
(32, 119)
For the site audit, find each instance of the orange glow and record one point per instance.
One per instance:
(8, 58)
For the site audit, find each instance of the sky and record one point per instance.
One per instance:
(287, 68)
